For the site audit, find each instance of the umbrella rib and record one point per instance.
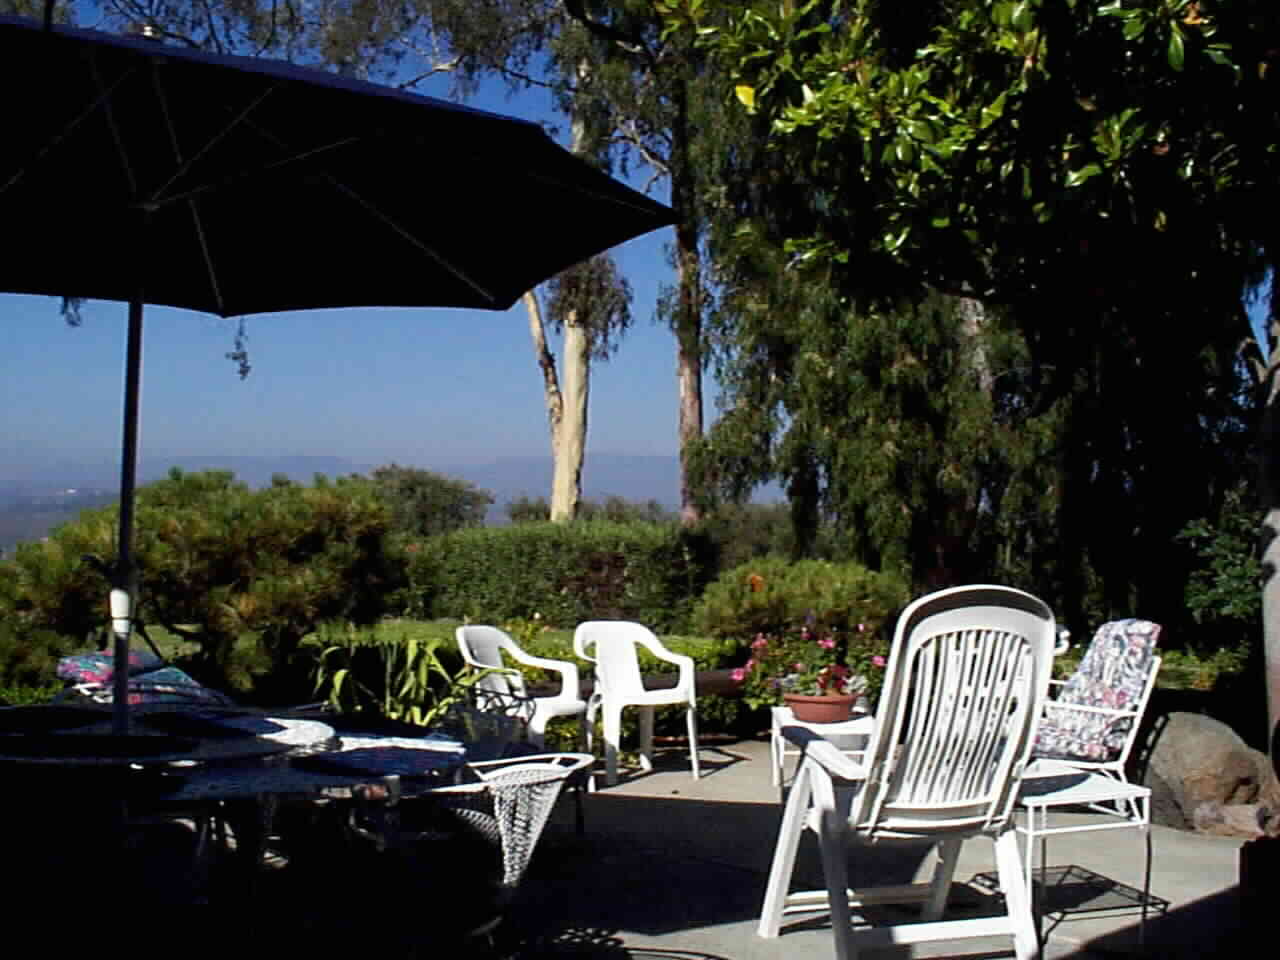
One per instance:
(410, 238)
(587, 191)
(115, 130)
(104, 97)
(183, 165)
(387, 221)
(249, 173)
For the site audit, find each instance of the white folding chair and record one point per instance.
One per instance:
(966, 679)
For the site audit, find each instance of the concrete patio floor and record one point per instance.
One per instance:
(670, 867)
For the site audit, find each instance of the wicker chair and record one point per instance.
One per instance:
(497, 817)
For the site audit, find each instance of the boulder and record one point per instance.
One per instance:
(1198, 764)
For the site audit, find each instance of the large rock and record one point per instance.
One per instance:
(1198, 763)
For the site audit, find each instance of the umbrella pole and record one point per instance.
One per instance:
(123, 581)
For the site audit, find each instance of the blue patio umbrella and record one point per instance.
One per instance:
(140, 172)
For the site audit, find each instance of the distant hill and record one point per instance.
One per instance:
(30, 516)
(36, 500)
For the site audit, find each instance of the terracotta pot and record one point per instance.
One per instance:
(830, 708)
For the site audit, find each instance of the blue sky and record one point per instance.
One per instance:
(425, 387)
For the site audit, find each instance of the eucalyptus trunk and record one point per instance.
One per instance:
(570, 443)
(688, 318)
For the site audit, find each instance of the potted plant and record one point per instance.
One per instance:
(820, 674)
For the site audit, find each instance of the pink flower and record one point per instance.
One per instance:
(878, 660)
(739, 674)
(827, 643)
(862, 627)
(798, 666)
(759, 643)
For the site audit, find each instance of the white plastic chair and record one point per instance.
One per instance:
(611, 646)
(964, 687)
(483, 647)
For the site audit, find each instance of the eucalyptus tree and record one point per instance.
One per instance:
(1106, 172)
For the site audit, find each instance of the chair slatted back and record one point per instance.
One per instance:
(966, 679)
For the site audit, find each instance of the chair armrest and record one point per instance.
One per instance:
(682, 661)
(580, 646)
(568, 671)
(825, 753)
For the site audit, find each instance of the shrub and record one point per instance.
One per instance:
(423, 503)
(27, 661)
(774, 593)
(564, 573)
(615, 509)
(216, 563)
(747, 531)
(1224, 595)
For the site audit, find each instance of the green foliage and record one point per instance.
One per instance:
(1224, 594)
(392, 669)
(1009, 157)
(745, 531)
(567, 573)
(772, 594)
(216, 562)
(20, 695)
(28, 657)
(424, 504)
(1228, 586)
(613, 509)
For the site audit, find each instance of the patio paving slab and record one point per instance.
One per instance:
(670, 867)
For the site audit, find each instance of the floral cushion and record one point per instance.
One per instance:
(1112, 674)
(150, 680)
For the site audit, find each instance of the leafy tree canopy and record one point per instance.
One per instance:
(423, 503)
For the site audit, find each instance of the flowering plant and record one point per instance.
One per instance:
(815, 662)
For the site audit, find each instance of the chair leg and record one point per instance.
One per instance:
(1026, 939)
(691, 721)
(835, 869)
(646, 738)
(537, 733)
(776, 756)
(940, 885)
(784, 856)
(612, 738)
(588, 738)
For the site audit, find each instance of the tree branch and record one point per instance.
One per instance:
(632, 43)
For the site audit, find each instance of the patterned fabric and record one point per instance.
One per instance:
(150, 681)
(1112, 674)
(99, 667)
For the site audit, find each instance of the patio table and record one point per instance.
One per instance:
(248, 795)
(850, 736)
